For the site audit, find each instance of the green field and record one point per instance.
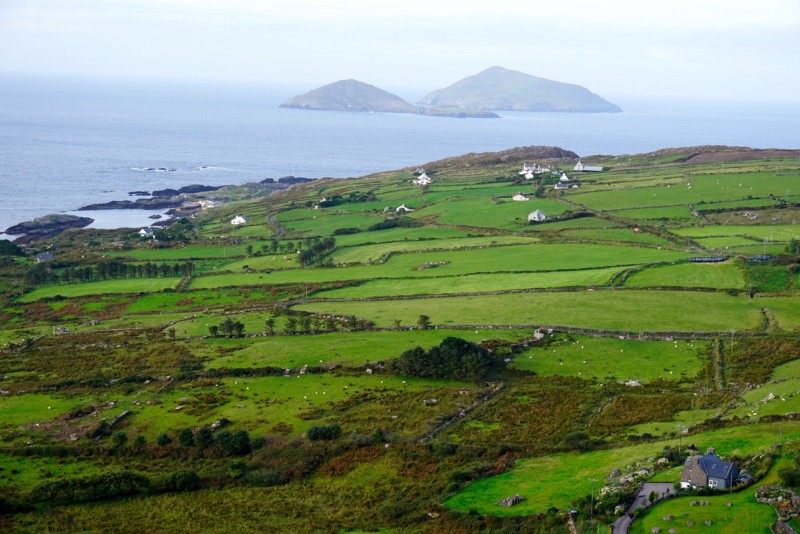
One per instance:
(626, 310)
(710, 275)
(136, 285)
(611, 359)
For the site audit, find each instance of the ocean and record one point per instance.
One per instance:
(66, 143)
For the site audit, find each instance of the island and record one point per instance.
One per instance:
(501, 89)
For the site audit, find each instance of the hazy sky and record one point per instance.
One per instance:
(732, 49)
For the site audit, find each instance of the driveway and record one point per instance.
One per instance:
(663, 489)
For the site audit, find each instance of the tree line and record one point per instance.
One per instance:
(42, 274)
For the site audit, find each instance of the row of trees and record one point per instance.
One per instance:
(316, 250)
(42, 274)
(228, 328)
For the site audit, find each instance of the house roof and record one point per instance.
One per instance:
(712, 465)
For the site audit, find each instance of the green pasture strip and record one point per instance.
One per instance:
(772, 232)
(655, 213)
(614, 360)
(753, 250)
(616, 235)
(397, 234)
(133, 285)
(191, 300)
(579, 223)
(32, 408)
(272, 261)
(558, 479)
(736, 204)
(626, 310)
(325, 223)
(523, 258)
(143, 320)
(716, 243)
(786, 371)
(774, 398)
(347, 348)
(473, 283)
(711, 275)
(483, 213)
(448, 193)
(697, 188)
(370, 253)
(24, 472)
(684, 419)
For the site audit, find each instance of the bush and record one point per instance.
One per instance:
(318, 433)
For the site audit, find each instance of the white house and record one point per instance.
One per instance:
(580, 167)
(146, 232)
(561, 185)
(519, 197)
(422, 179)
(239, 219)
(537, 216)
(564, 177)
(402, 208)
(529, 176)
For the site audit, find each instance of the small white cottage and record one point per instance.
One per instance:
(239, 219)
(537, 216)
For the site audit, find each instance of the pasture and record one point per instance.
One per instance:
(625, 310)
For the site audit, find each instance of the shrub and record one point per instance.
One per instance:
(321, 432)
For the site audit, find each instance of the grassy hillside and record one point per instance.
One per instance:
(337, 365)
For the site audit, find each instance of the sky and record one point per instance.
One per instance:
(735, 50)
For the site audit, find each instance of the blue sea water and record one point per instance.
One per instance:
(65, 143)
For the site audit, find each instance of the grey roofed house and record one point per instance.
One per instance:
(561, 185)
(708, 470)
(587, 168)
(43, 257)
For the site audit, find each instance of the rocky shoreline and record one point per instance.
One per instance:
(47, 226)
(182, 202)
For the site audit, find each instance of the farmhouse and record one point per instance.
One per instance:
(402, 208)
(146, 232)
(519, 197)
(561, 185)
(43, 257)
(537, 216)
(564, 177)
(580, 167)
(708, 470)
(239, 219)
(422, 179)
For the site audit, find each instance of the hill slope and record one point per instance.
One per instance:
(501, 89)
